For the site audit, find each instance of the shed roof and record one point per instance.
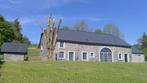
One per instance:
(14, 48)
(90, 38)
(136, 51)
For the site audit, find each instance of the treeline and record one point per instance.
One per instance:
(142, 43)
(11, 32)
(107, 29)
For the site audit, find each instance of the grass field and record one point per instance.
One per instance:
(73, 72)
(33, 53)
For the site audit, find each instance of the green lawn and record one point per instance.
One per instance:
(73, 72)
(1, 56)
(33, 53)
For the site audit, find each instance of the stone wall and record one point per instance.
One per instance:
(78, 48)
(138, 58)
(14, 57)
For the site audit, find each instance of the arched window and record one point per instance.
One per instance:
(106, 55)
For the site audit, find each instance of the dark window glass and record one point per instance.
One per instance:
(61, 55)
(119, 56)
(92, 54)
(62, 44)
(84, 55)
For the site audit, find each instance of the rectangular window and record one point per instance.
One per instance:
(84, 56)
(61, 45)
(61, 55)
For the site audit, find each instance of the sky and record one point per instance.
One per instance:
(130, 16)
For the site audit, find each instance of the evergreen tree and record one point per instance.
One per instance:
(144, 41)
(6, 31)
(11, 32)
(17, 30)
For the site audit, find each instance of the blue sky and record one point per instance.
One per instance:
(129, 15)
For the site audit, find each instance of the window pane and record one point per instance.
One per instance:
(61, 44)
(61, 55)
(84, 55)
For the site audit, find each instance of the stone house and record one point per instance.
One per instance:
(14, 51)
(88, 46)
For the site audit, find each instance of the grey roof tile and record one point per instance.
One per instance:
(14, 48)
(136, 51)
(90, 38)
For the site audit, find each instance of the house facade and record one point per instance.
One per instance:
(88, 46)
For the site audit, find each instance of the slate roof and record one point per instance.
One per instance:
(90, 38)
(136, 51)
(14, 48)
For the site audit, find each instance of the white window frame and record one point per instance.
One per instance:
(93, 54)
(82, 56)
(63, 45)
(73, 55)
(63, 55)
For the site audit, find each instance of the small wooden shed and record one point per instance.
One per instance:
(14, 51)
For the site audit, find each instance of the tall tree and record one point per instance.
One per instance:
(17, 30)
(144, 41)
(11, 31)
(139, 43)
(50, 37)
(6, 31)
(81, 26)
(113, 30)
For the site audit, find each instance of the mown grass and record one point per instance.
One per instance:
(1, 56)
(73, 72)
(33, 53)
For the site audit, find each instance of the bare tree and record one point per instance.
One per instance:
(113, 30)
(50, 37)
(81, 26)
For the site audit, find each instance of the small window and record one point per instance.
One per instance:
(61, 45)
(139, 55)
(120, 57)
(84, 56)
(61, 55)
(92, 54)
